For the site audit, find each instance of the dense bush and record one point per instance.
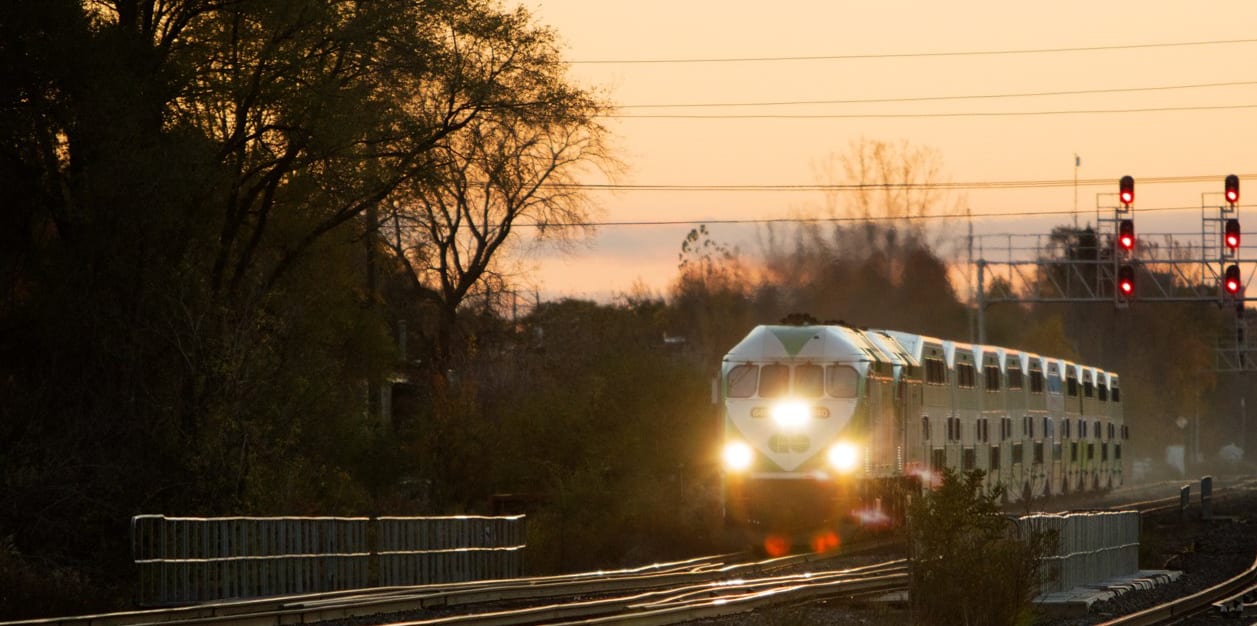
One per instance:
(969, 567)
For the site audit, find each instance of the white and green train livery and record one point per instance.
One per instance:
(822, 421)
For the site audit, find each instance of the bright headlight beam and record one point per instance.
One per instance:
(738, 455)
(791, 415)
(844, 457)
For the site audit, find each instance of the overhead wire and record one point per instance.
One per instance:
(904, 55)
(954, 186)
(1034, 94)
(813, 116)
(827, 220)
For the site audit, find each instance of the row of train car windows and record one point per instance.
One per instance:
(968, 457)
(808, 380)
(936, 373)
(983, 430)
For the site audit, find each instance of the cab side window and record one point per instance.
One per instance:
(742, 380)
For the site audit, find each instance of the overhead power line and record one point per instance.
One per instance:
(1032, 94)
(948, 186)
(834, 220)
(909, 55)
(800, 116)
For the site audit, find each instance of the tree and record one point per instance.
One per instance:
(710, 298)
(511, 165)
(968, 567)
(883, 180)
(183, 320)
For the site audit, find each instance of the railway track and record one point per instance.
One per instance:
(1227, 598)
(702, 588)
(658, 594)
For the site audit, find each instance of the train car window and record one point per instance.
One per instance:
(935, 371)
(1014, 379)
(843, 381)
(1104, 392)
(809, 381)
(992, 378)
(1089, 389)
(742, 380)
(774, 380)
(965, 376)
(1036, 381)
(1054, 384)
(1117, 394)
(1072, 386)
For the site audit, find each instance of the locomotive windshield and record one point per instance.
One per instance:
(774, 380)
(809, 381)
(742, 380)
(843, 382)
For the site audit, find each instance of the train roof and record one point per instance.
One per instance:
(808, 343)
(843, 343)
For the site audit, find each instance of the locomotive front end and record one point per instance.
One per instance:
(796, 444)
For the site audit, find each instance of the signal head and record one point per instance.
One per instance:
(1126, 281)
(1231, 280)
(1126, 190)
(1232, 188)
(1231, 235)
(1126, 235)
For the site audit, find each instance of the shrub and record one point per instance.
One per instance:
(969, 566)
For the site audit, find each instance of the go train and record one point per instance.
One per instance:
(826, 424)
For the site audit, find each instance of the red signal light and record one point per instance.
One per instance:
(1232, 188)
(1126, 190)
(1231, 236)
(1126, 281)
(1126, 235)
(1231, 281)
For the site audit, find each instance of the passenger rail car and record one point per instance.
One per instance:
(823, 421)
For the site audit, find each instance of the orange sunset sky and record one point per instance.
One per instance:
(1003, 91)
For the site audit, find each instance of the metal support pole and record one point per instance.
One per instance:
(981, 302)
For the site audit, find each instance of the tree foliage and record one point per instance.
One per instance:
(189, 315)
(968, 566)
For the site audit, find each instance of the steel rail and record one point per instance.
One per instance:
(1189, 605)
(224, 611)
(1220, 596)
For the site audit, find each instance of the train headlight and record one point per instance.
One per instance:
(791, 415)
(844, 457)
(738, 456)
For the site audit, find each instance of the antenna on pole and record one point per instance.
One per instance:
(1077, 164)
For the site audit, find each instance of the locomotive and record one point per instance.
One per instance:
(826, 424)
